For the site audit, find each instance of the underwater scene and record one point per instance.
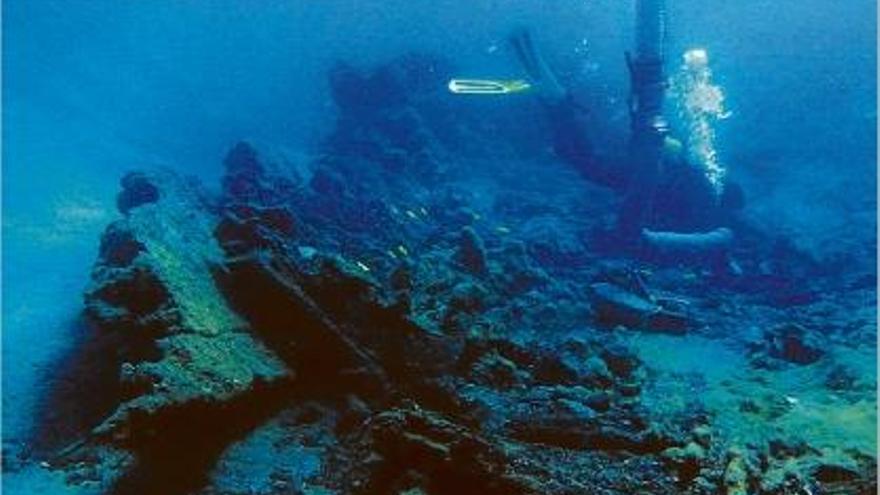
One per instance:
(428, 247)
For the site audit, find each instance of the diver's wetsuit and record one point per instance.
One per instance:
(676, 197)
(572, 143)
(684, 200)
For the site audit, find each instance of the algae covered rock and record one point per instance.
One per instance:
(686, 460)
(182, 346)
(736, 474)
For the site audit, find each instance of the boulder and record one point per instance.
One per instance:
(449, 457)
(614, 305)
(184, 354)
(792, 343)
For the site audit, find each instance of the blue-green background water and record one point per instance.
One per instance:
(92, 88)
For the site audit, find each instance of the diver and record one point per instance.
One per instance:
(673, 204)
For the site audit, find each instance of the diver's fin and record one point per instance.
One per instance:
(487, 86)
(521, 42)
(536, 68)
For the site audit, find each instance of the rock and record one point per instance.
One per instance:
(119, 247)
(470, 253)
(184, 348)
(249, 180)
(749, 406)
(468, 297)
(783, 478)
(841, 378)
(597, 373)
(615, 305)
(703, 486)
(685, 460)
(517, 272)
(498, 372)
(448, 457)
(702, 436)
(630, 388)
(620, 360)
(130, 297)
(830, 472)
(792, 343)
(356, 412)
(137, 189)
(614, 438)
(736, 476)
(243, 173)
(599, 402)
(560, 422)
(548, 368)
(782, 448)
(245, 227)
(572, 418)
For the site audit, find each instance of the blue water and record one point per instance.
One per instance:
(93, 88)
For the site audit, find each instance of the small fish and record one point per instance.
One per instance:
(391, 253)
(502, 230)
(362, 266)
(412, 215)
(403, 250)
(423, 211)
